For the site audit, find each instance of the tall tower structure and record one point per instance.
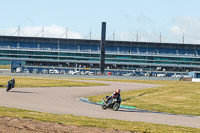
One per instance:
(102, 47)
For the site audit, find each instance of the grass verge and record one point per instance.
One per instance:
(177, 97)
(93, 122)
(48, 82)
(5, 66)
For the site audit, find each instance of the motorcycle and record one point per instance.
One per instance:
(9, 86)
(113, 104)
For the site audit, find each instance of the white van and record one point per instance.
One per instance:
(18, 69)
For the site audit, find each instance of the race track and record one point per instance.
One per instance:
(64, 100)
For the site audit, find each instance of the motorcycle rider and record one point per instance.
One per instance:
(115, 94)
(12, 82)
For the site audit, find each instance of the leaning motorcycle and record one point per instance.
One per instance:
(113, 104)
(9, 86)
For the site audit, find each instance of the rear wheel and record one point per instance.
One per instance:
(116, 106)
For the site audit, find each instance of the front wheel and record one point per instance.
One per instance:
(103, 106)
(8, 88)
(116, 106)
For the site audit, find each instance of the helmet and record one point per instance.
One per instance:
(118, 90)
(13, 78)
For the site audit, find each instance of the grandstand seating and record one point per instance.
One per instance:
(109, 48)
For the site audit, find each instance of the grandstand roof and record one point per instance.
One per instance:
(79, 41)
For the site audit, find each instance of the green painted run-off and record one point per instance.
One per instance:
(122, 106)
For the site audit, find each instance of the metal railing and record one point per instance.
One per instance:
(96, 51)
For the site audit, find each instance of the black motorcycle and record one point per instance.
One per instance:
(9, 86)
(113, 103)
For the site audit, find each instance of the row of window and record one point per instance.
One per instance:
(48, 53)
(116, 56)
(96, 57)
(140, 47)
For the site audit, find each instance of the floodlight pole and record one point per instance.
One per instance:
(160, 38)
(18, 30)
(66, 33)
(90, 34)
(113, 35)
(43, 31)
(137, 36)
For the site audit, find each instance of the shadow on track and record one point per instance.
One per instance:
(20, 92)
(126, 110)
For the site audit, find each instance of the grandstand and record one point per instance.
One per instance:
(84, 53)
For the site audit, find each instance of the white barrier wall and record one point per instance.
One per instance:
(195, 79)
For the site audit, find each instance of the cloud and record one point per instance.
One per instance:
(176, 30)
(48, 31)
(143, 36)
(188, 26)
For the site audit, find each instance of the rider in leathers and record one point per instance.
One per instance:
(12, 81)
(115, 94)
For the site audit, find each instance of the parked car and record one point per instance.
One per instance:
(176, 76)
(87, 72)
(35, 71)
(56, 71)
(91, 73)
(44, 71)
(75, 72)
(51, 71)
(82, 73)
(109, 73)
(70, 71)
(62, 72)
(26, 70)
(128, 74)
(161, 75)
(119, 74)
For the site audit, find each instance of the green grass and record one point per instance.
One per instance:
(177, 97)
(93, 122)
(46, 82)
(5, 66)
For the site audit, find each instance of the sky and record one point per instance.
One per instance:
(150, 19)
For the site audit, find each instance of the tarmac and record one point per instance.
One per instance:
(65, 100)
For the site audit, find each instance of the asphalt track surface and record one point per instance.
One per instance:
(65, 100)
